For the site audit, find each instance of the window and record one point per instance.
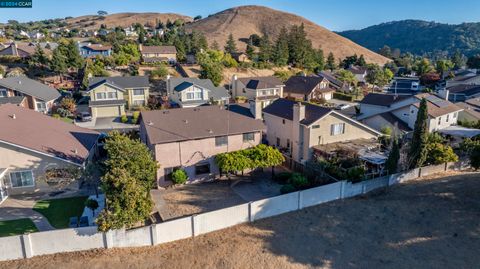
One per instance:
(248, 137)
(41, 106)
(190, 95)
(221, 141)
(448, 117)
(278, 141)
(138, 92)
(315, 126)
(3, 93)
(194, 94)
(112, 95)
(100, 95)
(283, 121)
(455, 115)
(203, 168)
(168, 172)
(139, 102)
(288, 143)
(439, 120)
(106, 95)
(338, 128)
(21, 179)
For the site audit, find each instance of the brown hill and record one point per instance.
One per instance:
(246, 20)
(122, 20)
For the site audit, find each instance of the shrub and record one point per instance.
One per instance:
(356, 174)
(283, 177)
(179, 176)
(124, 119)
(63, 112)
(343, 96)
(160, 72)
(56, 116)
(135, 116)
(287, 188)
(298, 181)
(241, 99)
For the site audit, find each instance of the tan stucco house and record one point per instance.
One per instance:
(31, 144)
(111, 96)
(157, 54)
(38, 96)
(258, 91)
(190, 138)
(296, 128)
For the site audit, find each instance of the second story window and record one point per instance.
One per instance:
(337, 129)
(248, 137)
(448, 117)
(138, 92)
(439, 120)
(3, 93)
(106, 95)
(194, 94)
(221, 141)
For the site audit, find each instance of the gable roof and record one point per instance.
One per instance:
(283, 108)
(15, 100)
(217, 93)
(357, 70)
(120, 82)
(436, 106)
(332, 79)
(159, 49)
(303, 84)
(98, 47)
(464, 89)
(261, 82)
(39, 133)
(181, 124)
(380, 99)
(30, 87)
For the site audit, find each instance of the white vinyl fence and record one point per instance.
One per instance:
(66, 240)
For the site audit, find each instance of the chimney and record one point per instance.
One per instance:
(298, 112)
(140, 47)
(14, 116)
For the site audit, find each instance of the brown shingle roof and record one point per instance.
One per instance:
(283, 108)
(304, 85)
(261, 82)
(159, 49)
(163, 126)
(99, 47)
(436, 106)
(37, 132)
(380, 99)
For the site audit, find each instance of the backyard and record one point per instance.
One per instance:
(18, 226)
(428, 223)
(59, 211)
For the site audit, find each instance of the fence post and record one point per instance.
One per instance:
(108, 239)
(419, 172)
(299, 200)
(364, 189)
(342, 189)
(153, 234)
(250, 217)
(446, 167)
(27, 246)
(193, 225)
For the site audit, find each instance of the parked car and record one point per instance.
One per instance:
(343, 106)
(84, 116)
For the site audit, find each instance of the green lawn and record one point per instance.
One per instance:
(18, 226)
(59, 211)
(67, 120)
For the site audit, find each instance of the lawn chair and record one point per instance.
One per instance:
(83, 221)
(73, 222)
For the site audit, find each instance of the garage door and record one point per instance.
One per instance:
(107, 111)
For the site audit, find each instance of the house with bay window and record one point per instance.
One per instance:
(32, 145)
(193, 92)
(300, 129)
(190, 138)
(37, 96)
(111, 96)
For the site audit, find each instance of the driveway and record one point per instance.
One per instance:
(107, 124)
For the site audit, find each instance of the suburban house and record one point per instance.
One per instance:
(157, 54)
(471, 110)
(90, 50)
(259, 91)
(334, 83)
(299, 129)
(405, 86)
(110, 96)
(464, 78)
(308, 88)
(240, 57)
(190, 138)
(462, 92)
(385, 110)
(39, 96)
(360, 73)
(193, 92)
(32, 144)
(26, 49)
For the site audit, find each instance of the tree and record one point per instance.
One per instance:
(417, 154)
(230, 46)
(160, 72)
(102, 13)
(265, 49)
(92, 205)
(281, 52)
(59, 62)
(330, 65)
(255, 39)
(68, 104)
(474, 61)
(422, 66)
(127, 200)
(392, 162)
(300, 47)
(39, 57)
(458, 60)
(475, 157)
(347, 77)
(132, 156)
(263, 156)
(439, 153)
(211, 70)
(198, 17)
(349, 61)
(378, 76)
(385, 51)
(250, 51)
(361, 61)
(215, 45)
(430, 79)
(443, 66)
(228, 61)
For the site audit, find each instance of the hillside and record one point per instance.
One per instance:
(246, 20)
(122, 20)
(419, 37)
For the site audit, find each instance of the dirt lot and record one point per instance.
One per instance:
(195, 198)
(431, 223)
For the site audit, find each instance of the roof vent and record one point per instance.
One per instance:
(75, 151)
(19, 82)
(13, 116)
(186, 121)
(149, 123)
(210, 131)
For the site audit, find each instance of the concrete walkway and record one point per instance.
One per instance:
(12, 209)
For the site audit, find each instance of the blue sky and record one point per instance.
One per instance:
(335, 15)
